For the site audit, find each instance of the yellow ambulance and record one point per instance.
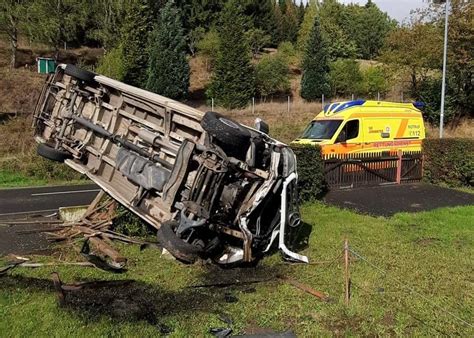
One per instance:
(366, 127)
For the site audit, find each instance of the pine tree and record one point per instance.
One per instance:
(315, 79)
(168, 69)
(290, 22)
(135, 31)
(233, 81)
(278, 33)
(307, 24)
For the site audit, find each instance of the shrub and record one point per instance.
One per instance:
(112, 65)
(345, 77)
(311, 179)
(287, 51)
(272, 75)
(129, 224)
(449, 161)
(209, 45)
(428, 91)
(374, 81)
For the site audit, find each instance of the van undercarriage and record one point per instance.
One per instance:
(212, 187)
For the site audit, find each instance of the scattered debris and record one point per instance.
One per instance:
(234, 283)
(225, 318)
(270, 333)
(304, 287)
(230, 298)
(221, 331)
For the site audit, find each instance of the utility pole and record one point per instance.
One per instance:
(445, 56)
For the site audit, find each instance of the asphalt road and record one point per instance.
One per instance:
(24, 211)
(23, 201)
(388, 200)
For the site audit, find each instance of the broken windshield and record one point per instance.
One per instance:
(321, 130)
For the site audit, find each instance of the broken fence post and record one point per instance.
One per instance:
(347, 282)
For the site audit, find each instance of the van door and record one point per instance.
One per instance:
(349, 139)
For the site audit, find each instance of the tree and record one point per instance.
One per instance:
(375, 81)
(257, 39)
(168, 70)
(290, 22)
(278, 33)
(272, 75)
(209, 47)
(461, 57)
(233, 80)
(307, 24)
(368, 26)
(106, 20)
(416, 49)
(193, 39)
(345, 77)
(134, 39)
(111, 64)
(331, 14)
(260, 14)
(56, 23)
(11, 17)
(315, 79)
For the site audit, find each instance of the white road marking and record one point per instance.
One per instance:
(28, 212)
(64, 192)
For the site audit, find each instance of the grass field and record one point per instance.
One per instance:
(431, 252)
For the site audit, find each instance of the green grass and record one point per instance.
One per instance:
(10, 179)
(431, 252)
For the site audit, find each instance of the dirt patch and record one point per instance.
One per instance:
(427, 241)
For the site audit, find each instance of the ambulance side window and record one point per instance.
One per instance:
(349, 132)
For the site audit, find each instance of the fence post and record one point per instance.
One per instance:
(399, 166)
(288, 104)
(322, 101)
(347, 283)
(212, 104)
(352, 97)
(378, 96)
(253, 105)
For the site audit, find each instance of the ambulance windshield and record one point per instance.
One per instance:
(321, 130)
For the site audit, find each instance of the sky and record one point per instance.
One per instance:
(397, 9)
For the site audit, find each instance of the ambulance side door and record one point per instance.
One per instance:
(350, 136)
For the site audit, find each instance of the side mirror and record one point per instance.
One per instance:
(261, 126)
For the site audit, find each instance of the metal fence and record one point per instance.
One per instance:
(351, 170)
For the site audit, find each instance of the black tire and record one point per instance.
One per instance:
(181, 250)
(52, 154)
(233, 138)
(79, 74)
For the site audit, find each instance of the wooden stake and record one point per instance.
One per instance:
(346, 272)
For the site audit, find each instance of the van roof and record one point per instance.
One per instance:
(341, 108)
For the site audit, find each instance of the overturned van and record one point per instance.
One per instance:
(212, 187)
(366, 126)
